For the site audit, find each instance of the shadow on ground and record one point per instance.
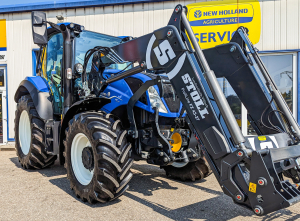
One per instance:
(149, 178)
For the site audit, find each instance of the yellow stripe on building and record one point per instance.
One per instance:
(2, 33)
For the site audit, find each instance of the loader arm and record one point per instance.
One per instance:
(250, 170)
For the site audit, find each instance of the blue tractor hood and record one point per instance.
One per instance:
(121, 93)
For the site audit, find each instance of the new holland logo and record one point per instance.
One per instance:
(197, 14)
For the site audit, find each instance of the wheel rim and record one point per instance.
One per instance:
(24, 132)
(83, 175)
(179, 164)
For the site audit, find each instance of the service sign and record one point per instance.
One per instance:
(3, 40)
(215, 22)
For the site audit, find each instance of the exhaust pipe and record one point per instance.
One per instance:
(67, 63)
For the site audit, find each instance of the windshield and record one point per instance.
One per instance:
(124, 66)
(88, 40)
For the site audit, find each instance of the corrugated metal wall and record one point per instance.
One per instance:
(280, 30)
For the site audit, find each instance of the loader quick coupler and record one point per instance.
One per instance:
(267, 192)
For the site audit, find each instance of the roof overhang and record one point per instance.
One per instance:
(28, 5)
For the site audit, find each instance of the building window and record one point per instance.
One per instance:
(35, 54)
(232, 99)
(283, 70)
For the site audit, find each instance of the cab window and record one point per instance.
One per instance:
(54, 56)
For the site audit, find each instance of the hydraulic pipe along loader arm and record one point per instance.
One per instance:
(250, 169)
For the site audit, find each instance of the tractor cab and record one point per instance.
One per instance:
(50, 60)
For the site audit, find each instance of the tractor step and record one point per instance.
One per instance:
(52, 129)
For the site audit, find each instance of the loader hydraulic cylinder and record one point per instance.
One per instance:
(124, 74)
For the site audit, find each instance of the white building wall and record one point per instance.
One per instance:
(280, 31)
(280, 25)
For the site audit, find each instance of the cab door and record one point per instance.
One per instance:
(51, 69)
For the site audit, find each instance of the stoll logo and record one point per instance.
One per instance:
(164, 52)
(197, 99)
(197, 14)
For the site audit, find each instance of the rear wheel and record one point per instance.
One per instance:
(97, 157)
(29, 136)
(196, 170)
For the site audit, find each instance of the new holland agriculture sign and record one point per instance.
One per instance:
(215, 22)
(2, 40)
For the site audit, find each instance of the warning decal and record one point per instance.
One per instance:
(262, 138)
(252, 187)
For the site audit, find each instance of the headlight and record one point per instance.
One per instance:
(155, 100)
(79, 68)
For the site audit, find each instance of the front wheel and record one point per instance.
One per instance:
(97, 157)
(196, 170)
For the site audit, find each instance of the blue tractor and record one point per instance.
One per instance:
(96, 131)
(101, 102)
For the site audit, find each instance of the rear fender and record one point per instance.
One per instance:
(40, 94)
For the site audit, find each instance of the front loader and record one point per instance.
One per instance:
(252, 170)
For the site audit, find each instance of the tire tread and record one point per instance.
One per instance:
(111, 151)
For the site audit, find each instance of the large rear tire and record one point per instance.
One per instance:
(29, 136)
(97, 157)
(196, 170)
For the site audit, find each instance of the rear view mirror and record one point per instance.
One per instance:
(39, 28)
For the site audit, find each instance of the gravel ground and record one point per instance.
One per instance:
(46, 195)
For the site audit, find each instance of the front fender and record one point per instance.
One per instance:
(78, 107)
(40, 94)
